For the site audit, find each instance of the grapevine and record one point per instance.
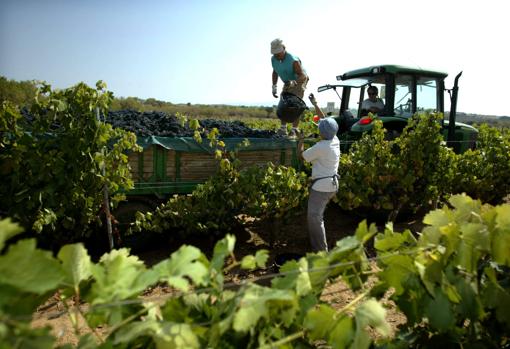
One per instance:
(450, 281)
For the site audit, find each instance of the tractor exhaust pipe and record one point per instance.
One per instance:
(453, 111)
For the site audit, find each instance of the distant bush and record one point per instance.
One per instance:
(20, 93)
(198, 111)
(483, 173)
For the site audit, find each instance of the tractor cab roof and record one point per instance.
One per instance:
(390, 69)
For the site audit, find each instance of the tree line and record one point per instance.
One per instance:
(22, 93)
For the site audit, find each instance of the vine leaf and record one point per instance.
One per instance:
(166, 335)
(398, 269)
(222, 249)
(255, 304)
(373, 314)
(186, 262)
(436, 218)
(257, 261)
(30, 269)
(296, 277)
(119, 276)
(319, 321)
(8, 229)
(439, 312)
(343, 333)
(501, 236)
(76, 263)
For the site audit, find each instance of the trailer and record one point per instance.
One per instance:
(176, 165)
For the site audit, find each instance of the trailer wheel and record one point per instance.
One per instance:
(125, 216)
(126, 212)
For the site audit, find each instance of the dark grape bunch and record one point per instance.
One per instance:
(154, 123)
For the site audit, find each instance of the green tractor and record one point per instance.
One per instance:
(403, 92)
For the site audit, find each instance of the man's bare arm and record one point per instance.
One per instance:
(301, 76)
(275, 77)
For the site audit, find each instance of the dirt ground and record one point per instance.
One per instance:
(292, 239)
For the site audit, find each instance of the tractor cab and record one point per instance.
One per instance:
(401, 92)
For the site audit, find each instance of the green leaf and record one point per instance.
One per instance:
(470, 305)
(363, 233)
(176, 336)
(166, 335)
(344, 246)
(501, 247)
(342, 333)
(290, 271)
(439, 312)
(257, 261)
(61, 106)
(87, 341)
(319, 270)
(222, 249)
(75, 263)
(474, 242)
(25, 338)
(8, 229)
(29, 269)
(502, 306)
(135, 329)
(431, 271)
(100, 85)
(247, 316)
(396, 271)
(464, 205)
(303, 284)
(119, 276)
(503, 217)
(389, 241)
(187, 261)
(436, 218)
(295, 277)
(318, 321)
(501, 236)
(261, 257)
(248, 262)
(17, 303)
(373, 314)
(256, 302)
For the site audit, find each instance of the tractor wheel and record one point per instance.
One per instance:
(392, 134)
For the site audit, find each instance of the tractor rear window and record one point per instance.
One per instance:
(403, 95)
(426, 99)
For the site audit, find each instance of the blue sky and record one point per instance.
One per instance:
(217, 52)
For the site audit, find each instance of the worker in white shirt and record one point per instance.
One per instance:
(324, 157)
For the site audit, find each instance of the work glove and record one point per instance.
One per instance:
(274, 91)
(312, 99)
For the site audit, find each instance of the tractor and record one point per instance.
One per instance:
(404, 92)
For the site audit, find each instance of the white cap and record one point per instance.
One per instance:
(277, 46)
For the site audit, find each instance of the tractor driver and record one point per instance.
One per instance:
(372, 104)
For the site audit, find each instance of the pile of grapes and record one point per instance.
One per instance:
(153, 123)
